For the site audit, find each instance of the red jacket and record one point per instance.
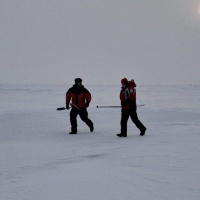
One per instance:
(128, 96)
(78, 95)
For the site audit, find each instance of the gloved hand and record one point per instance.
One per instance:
(87, 104)
(67, 106)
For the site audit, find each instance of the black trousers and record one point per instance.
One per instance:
(124, 119)
(83, 115)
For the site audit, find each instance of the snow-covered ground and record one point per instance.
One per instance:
(39, 160)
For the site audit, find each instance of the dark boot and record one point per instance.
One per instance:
(73, 132)
(143, 131)
(121, 135)
(91, 128)
(90, 124)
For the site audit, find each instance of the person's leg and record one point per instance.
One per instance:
(84, 117)
(73, 120)
(138, 123)
(124, 120)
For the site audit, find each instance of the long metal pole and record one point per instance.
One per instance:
(114, 106)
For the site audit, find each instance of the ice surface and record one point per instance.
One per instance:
(39, 160)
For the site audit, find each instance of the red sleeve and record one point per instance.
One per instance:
(122, 97)
(88, 96)
(68, 97)
(133, 93)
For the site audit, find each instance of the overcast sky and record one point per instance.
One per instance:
(101, 41)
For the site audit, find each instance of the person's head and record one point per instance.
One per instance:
(78, 81)
(132, 83)
(124, 82)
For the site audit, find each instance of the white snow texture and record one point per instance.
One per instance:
(39, 160)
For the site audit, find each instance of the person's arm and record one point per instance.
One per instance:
(68, 98)
(88, 97)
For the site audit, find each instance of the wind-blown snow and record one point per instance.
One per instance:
(39, 160)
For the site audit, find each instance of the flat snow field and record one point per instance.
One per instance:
(39, 160)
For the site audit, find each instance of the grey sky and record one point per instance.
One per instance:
(101, 41)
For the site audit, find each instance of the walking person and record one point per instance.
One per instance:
(129, 107)
(80, 99)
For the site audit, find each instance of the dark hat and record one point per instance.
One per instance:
(124, 81)
(78, 80)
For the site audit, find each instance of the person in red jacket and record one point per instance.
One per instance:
(80, 99)
(129, 107)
